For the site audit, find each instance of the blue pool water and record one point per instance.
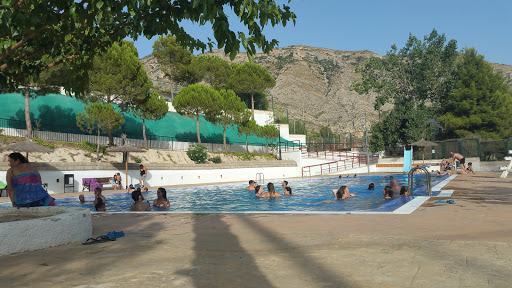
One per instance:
(309, 194)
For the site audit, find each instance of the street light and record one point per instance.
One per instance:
(278, 122)
(123, 110)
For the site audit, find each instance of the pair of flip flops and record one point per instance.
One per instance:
(110, 236)
(448, 201)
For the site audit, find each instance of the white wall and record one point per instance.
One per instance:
(263, 117)
(157, 178)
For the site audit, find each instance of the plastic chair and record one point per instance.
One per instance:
(3, 187)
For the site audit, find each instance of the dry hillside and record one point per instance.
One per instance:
(312, 83)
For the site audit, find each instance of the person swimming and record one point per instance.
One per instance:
(371, 186)
(342, 193)
(388, 192)
(404, 191)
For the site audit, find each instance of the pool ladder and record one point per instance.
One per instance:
(410, 179)
(260, 178)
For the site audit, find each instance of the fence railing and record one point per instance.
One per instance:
(486, 150)
(353, 161)
(17, 128)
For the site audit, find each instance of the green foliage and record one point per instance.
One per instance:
(43, 143)
(100, 117)
(481, 104)
(251, 79)
(153, 108)
(174, 60)
(197, 153)
(137, 160)
(33, 32)
(404, 124)
(326, 132)
(216, 160)
(233, 111)
(249, 128)
(414, 79)
(212, 70)
(91, 147)
(269, 132)
(195, 100)
(119, 76)
(420, 72)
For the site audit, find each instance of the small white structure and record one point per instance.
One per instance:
(42, 227)
(508, 168)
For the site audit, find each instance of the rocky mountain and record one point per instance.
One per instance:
(312, 84)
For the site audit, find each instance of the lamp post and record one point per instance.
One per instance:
(278, 122)
(123, 110)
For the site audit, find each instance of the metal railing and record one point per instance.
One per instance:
(353, 161)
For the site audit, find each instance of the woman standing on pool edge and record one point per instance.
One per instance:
(143, 173)
(24, 184)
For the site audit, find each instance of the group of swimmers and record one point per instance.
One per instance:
(161, 201)
(344, 192)
(271, 193)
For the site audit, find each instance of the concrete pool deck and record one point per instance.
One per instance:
(466, 244)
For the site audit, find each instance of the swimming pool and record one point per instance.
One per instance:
(309, 195)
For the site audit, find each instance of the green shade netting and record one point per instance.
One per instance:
(57, 113)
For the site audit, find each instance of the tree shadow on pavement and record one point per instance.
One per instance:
(220, 260)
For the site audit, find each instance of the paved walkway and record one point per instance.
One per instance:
(467, 244)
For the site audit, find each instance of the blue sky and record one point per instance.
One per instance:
(375, 25)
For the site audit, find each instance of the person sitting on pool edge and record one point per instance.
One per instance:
(470, 168)
(252, 185)
(271, 191)
(139, 205)
(388, 192)
(371, 186)
(404, 191)
(342, 193)
(161, 200)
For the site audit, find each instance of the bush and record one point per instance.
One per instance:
(197, 153)
(216, 160)
(137, 160)
(42, 143)
(91, 147)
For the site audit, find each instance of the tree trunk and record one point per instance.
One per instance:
(197, 128)
(246, 146)
(252, 105)
(98, 146)
(224, 138)
(266, 144)
(144, 132)
(27, 113)
(110, 138)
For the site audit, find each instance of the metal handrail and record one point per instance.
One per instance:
(410, 180)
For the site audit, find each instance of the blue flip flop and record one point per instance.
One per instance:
(441, 201)
(450, 202)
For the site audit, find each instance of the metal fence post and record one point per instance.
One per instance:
(478, 147)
